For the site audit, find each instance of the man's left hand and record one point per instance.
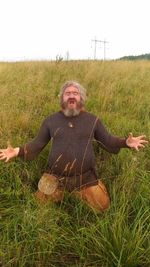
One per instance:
(136, 142)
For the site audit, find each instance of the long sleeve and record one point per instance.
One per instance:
(107, 141)
(33, 148)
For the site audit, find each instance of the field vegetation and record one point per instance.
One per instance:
(71, 234)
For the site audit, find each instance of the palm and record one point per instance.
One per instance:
(8, 153)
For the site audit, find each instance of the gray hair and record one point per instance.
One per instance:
(75, 84)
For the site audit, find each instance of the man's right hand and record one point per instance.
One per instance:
(8, 153)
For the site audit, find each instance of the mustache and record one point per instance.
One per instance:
(71, 99)
(64, 104)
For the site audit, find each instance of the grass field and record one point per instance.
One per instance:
(71, 234)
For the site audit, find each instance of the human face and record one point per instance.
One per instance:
(71, 97)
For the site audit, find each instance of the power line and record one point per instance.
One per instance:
(95, 46)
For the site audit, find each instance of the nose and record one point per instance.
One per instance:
(71, 94)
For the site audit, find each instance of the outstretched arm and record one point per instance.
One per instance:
(113, 143)
(9, 152)
(109, 142)
(136, 142)
(29, 150)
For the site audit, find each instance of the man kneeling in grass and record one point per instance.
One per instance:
(71, 162)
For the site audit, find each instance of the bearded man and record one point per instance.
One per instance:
(71, 161)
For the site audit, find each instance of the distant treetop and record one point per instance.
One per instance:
(139, 57)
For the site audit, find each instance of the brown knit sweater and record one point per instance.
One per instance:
(72, 153)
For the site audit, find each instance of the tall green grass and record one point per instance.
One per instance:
(71, 234)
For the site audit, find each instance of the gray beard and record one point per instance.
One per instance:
(71, 112)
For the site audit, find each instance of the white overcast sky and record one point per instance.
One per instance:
(42, 29)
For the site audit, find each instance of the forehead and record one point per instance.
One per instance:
(71, 88)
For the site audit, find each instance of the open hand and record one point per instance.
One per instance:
(8, 153)
(136, 142)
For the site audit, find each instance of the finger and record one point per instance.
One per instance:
(141, 136)
(7, 159)
(144, 141)
(130, 135)
(2, 154)
(140, 145)
(8, 144)
(3, 157)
